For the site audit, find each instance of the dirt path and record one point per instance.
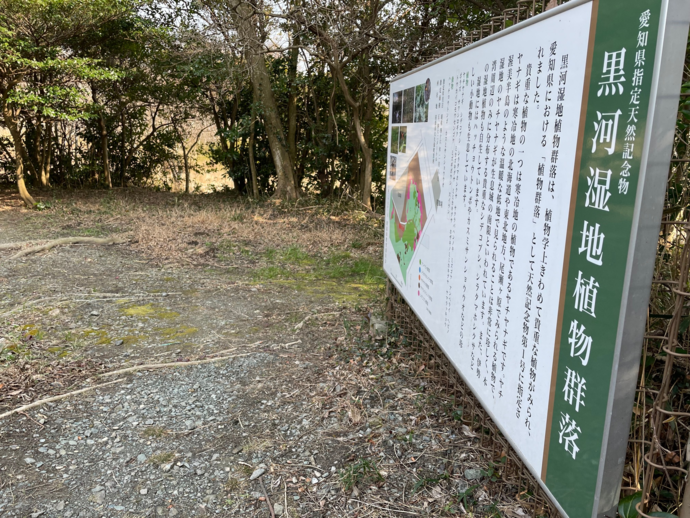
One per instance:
(335, 420)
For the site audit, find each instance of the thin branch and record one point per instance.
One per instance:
(70, 241)
(56, 398)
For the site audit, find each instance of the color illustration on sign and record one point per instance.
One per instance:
(408, 214)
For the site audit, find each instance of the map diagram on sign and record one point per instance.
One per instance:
(408, 214)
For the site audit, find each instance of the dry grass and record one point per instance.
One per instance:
(206, 228)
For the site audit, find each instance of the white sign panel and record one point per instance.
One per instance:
(464, 234)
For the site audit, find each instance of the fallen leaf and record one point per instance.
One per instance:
(469, 433)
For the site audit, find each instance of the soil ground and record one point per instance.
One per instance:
(314, 392)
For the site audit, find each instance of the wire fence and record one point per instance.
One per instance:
(424, 353)
(658, 448)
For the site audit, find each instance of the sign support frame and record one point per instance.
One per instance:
(654, 166)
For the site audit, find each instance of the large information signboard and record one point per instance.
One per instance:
(526, 176)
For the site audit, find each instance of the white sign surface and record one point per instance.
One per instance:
(480, 175)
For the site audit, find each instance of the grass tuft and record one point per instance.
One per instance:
(362, 473)
(154, 432)
(162, 458)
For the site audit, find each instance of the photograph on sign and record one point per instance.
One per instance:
(511, 199)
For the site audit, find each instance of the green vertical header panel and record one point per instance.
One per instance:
(614, 131)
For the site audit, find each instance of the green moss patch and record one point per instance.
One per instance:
(176, 332)
(149, 311)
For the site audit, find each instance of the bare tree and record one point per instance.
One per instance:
(344, 35)
(243, 24)
(187, 142)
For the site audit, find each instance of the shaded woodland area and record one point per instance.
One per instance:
(115, 93)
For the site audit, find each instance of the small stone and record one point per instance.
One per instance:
(29, 460)
(473, 474)
(237, 450)
(54, 312)
(172, 512)
(148, 421)
(95, 313)
(141, 458)
(278, 509)
(39, 464)
(377, 327)
(99, 497)
(215, 456)
(143, 491)
(190, 424)
(119, 342)
(160, 510)
(60, 506)
(257, 473)
(200, 471)
(166, 467)
(461, 486)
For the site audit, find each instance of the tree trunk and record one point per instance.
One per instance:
(368, 111)
(292, 107)
(299, 172)
(219, 126)
(123, 145)
(21, 155)
(261, 83)
(21, 185)
(233, 144)
(252, 163)
(185, 161)
(227, 125)
(37, 156)
(366, 151)
(355, 166)
(104, 152)
(47, 155)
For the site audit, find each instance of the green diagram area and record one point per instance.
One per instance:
(408, 215)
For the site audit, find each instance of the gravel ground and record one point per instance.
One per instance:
(314, 416)
(157, 444)
(187, 441)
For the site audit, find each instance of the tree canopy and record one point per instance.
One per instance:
(295, 94)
